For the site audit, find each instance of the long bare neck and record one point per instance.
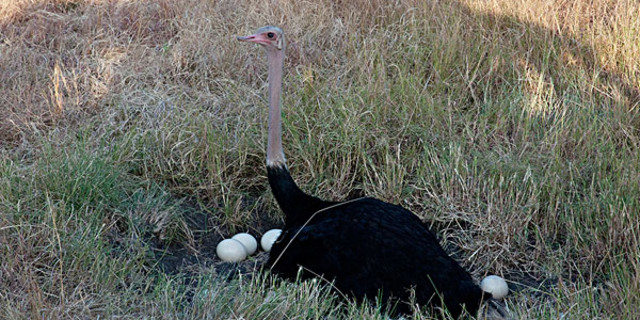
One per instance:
(296, 205)
(275, 153)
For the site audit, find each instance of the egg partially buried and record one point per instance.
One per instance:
(495, 285)
(248, 241)
(231, 250)
(269, 238)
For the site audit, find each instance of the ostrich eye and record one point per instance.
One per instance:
(271, 35)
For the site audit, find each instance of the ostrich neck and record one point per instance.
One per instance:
(296, 205)
(275, 154)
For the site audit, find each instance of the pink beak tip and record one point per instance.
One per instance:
(246, 38)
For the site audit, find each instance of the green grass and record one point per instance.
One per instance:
(133, 134)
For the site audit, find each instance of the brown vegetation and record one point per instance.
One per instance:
(512, 126)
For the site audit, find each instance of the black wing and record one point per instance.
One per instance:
(375, 249)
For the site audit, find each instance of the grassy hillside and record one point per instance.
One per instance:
(133, 137)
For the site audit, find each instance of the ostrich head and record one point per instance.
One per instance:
(270, 37)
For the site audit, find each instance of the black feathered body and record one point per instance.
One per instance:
(368, 248)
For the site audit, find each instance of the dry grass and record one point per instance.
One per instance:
(512, 126)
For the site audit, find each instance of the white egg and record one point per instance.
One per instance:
(248, 241)
(268, 238)
(495, 285)
(231, 250)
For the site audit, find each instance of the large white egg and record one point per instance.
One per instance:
(231, 250)
(268, 238)
(495, 285)
(248, 241)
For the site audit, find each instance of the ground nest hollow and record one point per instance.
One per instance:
(199, 258)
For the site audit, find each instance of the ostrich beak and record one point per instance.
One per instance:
(257, 38)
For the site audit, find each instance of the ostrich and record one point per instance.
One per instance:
(368, 248)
